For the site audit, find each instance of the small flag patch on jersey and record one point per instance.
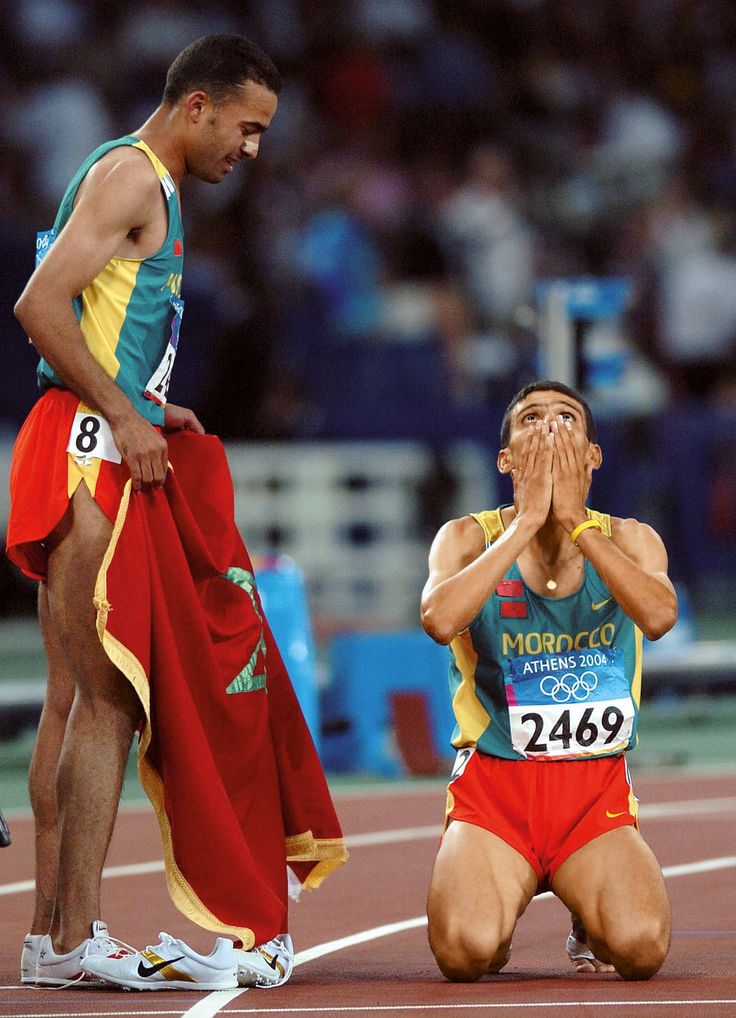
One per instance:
(510, 588)
(513, 609)
(178, 248)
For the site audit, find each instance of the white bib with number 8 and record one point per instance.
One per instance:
(91, 438)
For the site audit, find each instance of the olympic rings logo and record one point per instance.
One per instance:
(569, 686)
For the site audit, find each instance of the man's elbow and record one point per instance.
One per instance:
(660, 622)
(21, 308)
(433, 627)
(25, 309)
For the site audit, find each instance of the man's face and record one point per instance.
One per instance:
(546, 404)
(229, 131)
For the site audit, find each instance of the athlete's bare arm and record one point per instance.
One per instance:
(119, 212)
(462, 576)
(634, 568)
(634, 564)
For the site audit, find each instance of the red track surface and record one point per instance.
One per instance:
(395, 975)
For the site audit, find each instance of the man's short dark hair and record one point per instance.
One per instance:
(219, 65)
(547, 385)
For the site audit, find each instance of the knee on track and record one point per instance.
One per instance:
(639, 951)
(468, 955)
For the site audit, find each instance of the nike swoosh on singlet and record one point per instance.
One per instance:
(150, 970)
(612, 816)
(599, 604)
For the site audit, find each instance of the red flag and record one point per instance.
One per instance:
(513, 609)
(510, 588)
(225, 753)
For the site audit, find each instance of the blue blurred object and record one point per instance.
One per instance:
(365, 669)
(283, 595)
(589, 297)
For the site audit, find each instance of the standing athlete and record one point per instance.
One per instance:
(543, 604)
(103, 309)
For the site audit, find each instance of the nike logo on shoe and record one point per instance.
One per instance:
(273, 962)
(150, 970)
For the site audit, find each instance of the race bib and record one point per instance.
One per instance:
(575, 704)
(157, 387)
(90, 439)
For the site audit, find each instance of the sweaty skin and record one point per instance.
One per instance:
(551, 465)
(119, 212)
(613, 885)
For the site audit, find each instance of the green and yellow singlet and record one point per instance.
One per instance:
(131, 312)
(543, 678)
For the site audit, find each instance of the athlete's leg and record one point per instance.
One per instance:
(479, 888)
(615, 886)
(101, 724)
(44, 765)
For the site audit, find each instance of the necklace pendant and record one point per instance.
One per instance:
(551, 585)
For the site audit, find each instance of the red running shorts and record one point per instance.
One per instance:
(546, 810)
(44, 476)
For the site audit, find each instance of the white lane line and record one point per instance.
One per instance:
(402, 834)
(131, 870)
(213, 1003)
(348, 1009)
(704, 866)
(157, 865)
(409, 789)
(516, 1005)
(90, 1014)
(361, 938)
(207, 1007)
(19, 887)
(393, 837)
(651, 810)
(665, 810)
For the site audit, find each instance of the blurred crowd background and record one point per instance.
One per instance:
(374, 274)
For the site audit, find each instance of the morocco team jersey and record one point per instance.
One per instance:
(131, 312)
(544, 678)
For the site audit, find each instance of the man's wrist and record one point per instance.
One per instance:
(122, 411)
(571, 522)
(584, 527)
(528, 522)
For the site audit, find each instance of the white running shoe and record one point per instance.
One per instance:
(62, 970)
(266, 966)
(169, 965)
(29, 957)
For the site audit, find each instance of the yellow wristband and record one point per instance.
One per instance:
(585, 525)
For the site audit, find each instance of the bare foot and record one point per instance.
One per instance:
(581, 956)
